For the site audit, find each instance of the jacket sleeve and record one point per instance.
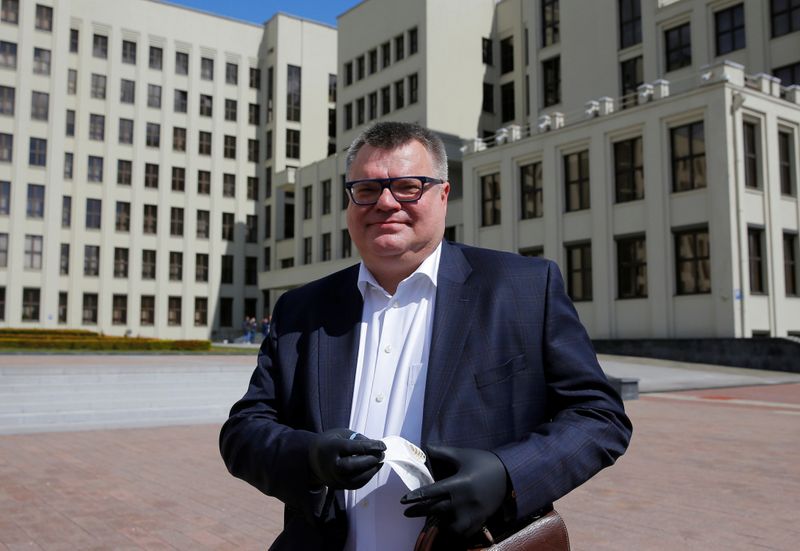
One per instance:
(587, 428)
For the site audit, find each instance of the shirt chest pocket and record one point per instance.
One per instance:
(502, 372)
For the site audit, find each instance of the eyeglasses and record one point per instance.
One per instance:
(404, 189)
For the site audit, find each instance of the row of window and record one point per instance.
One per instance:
(325, 250)
(688, 162)
(367, 64)
(31, 308)
(366, 107)
(9, 13)
(692, 264)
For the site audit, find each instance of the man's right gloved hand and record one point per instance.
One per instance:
(340, 460)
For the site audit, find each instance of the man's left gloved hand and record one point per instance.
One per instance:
(474, 488)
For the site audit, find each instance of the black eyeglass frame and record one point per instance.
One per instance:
(386, 183)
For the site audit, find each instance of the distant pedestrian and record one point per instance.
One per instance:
(247, 329)
(265, 327)
(253, 329)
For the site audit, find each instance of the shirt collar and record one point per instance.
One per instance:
(428, 269)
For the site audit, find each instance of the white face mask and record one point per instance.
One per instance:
(408, 461)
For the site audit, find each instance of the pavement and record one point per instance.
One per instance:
(710, 468)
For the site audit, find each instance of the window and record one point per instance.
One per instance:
(68, 162)
(153, 136)
(6, 147)
(176, 221)
(507, 102)
(347, 244)
(227, 226)
(35, 206)
(200, 311)
(551, 70)
(206, 68)
(129, 52)
(148, 264)
(120, 262)
(150, 222)
(9, 12)
(156, 58)
(785, 17)
(40, 105)
(204, 143)
(254, 114)
(119, 312)
(373, 104)
(631, 267)
(124, 172)
(688, 157)
(678, 48)
(413, 44)
(178, 178)
(755, 249)
(267, 259)
(91, 260)
(348, 116)
(63, 261)
(203, 182)
(100, 46)
(790, 264)
(293, 87)
(231, 73)
(252, 188)
(206, 105)
(93, 213)
(127, 91)
(38, 152)
(203, 224)
(785, 165)
(175, 266)
(230, 110)
(292, 144)
(73, 40)
(89, 309)
(174, 310)
(326, 246)
(66, 211)
(326, 196)
(399, 47)
(332, 88)
(8, 54)
(632, 76)
(507, 55)
(226, 273)
(151, 175)
(4, 250)
(33, 252)
(181, 63)
(308, 209)
(413, 85)
(250, 273)
(70, 121)
(30, 304)
(41, 61)
(576, 180)
(360, 68)
(252, 148)
(530, 252)
(180, 101)
(94, 171)
(751, 178)
(307, 250)
(229, 147)
(490, 200)
(531, 191)
(267, 221)
(730, 29)
(178, 139)
(360, 111)
(488, 97)
(550, 22)
(147, 310)
(72, 81)
(98, 90)
(62, 307)
(579, 271)
(154, 96)
(122, 219)
(229, 185)
(630, 23)
(201, 267)
(7, 100)
(255, 78)
(628, 170)
(97, 127)
(399, 98)
(5, 197)
(251, 223)
(693, 261)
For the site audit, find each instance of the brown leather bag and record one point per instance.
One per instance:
(546, 533)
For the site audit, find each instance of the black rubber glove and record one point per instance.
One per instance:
(340, 461)
(474, 488)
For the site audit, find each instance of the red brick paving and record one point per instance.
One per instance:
(700, 474)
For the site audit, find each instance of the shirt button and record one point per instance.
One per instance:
(388, 348)
(379, 398)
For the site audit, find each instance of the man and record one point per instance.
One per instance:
(477, 356)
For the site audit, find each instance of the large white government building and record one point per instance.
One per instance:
(165, 172)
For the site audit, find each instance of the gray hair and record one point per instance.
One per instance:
(391, 135)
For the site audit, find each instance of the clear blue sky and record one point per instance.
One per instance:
(259, 11)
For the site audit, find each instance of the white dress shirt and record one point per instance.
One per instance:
(388, 398)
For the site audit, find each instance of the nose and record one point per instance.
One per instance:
(386, 201)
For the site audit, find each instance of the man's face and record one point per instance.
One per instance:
(390, 235)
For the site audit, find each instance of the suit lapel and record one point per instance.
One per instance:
(455, 301)
(338, 351)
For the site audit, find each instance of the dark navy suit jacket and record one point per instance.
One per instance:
(511, 370)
